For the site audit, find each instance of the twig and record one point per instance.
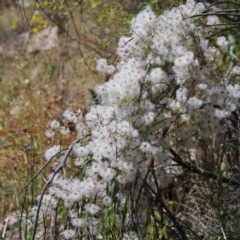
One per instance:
(75, 175)
(224, 235)
(62, 150)
(148, 195)
(215, 14)
(164, 206)
(5, 227)
(200, 171)
(21, 214)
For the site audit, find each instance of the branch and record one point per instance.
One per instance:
(200, 171)
(44, 166)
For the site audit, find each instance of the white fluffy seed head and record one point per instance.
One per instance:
(236, 70)
(102, 66)
(68, 234)
(49, 133)
(93, 209)
(222, 42)
(107, 201)
(51, 152)
(55, 124)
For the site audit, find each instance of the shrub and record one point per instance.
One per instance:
(159, 114)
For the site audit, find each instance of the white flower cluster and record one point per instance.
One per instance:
(236, 70)
(68, 117)
(103, 67)
(165, 91)
(49, 204)
(51, 152)
(222, 42)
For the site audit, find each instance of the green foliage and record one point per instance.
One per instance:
(49, 69)
(93, 98)
(15, 23)
(38, 22)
